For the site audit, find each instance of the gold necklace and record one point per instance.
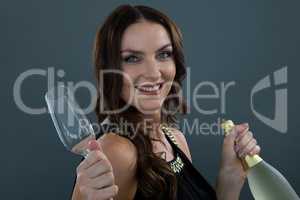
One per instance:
(177, 164)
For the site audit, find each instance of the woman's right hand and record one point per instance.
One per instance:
(95, 178)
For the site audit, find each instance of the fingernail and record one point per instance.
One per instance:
(252, 153)
(246, 125)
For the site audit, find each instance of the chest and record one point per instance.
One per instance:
(164, 149)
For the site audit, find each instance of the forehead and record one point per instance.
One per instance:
(145, 36)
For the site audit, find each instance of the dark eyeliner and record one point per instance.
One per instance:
(168, 52)
(129, 59)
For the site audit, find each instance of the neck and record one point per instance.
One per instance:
(154, 121)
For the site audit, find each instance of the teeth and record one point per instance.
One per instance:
(149, 89)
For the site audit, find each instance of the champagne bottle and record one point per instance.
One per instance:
(265, 182)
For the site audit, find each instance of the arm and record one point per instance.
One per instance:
(121, 154)
(225, 190)
(76, 194)
(232, 175)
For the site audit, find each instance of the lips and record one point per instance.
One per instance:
(150, 88)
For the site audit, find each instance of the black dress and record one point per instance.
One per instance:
(191, 184)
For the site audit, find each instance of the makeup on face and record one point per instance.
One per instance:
(148, 62)
(131, 56)
(148, 88)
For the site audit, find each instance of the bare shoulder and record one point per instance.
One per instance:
(119, 150)
(183, 145)
(122, 154)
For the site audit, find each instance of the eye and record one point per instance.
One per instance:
(164, 55)
(131, 59)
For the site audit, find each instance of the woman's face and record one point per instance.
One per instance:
(148, 66)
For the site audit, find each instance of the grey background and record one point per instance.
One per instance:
(241, 41)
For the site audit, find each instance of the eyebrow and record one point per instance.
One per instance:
(140, 52)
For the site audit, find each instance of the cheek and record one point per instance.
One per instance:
(128, 85)
(169, 73)
(168, 70)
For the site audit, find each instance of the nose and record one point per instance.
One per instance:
(152, 70)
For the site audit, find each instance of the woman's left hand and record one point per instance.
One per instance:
(232, 175)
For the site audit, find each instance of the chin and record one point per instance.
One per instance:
(150, 107)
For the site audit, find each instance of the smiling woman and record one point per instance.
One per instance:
(147, 59)
(151, 159)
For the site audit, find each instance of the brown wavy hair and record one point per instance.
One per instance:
(155, 178)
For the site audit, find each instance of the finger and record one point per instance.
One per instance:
(85, 191)
(248, 148)
(228, 148)
(107, 193)
(94, 145)
(94, 157)
(256, 150)
(100, 182)
(98, 168)
(242, 134)
(241, 127)
(240, 144)
(91, 159)
(230, 138)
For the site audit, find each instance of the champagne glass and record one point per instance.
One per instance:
(72, 126)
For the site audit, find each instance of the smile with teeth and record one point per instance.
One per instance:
(149, 88)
